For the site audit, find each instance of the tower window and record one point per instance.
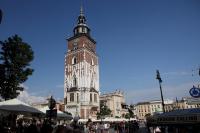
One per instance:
(80, 29)
(74, 82)
(90, 97)
(95, 97)
(84, 30)
(65, 100)
(77, 97)
(92, 62)
(71, 97)
(75, 46)
(74, 60)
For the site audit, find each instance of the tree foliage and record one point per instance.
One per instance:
(130, 114)
(15, 58)
(147, 115)
(104, 111)
(127, 116)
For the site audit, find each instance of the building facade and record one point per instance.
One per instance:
(184, 103)
(81, 82)
(149, 108)
(142, 109)
(114, 101)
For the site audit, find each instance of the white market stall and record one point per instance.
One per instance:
(18, 107)
(108, 119)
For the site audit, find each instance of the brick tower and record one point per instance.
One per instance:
(81, 83)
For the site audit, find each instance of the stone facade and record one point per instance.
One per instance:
(149, 108)
(141, 109)
(81, 86)
(184, 103)
(59, 105)
(114, 101)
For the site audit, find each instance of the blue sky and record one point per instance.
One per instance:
(134, 38)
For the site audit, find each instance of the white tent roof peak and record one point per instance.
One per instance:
(14, 101)
(15, 105)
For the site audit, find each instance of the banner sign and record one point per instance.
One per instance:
(195, 92)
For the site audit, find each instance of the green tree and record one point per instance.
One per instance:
(147, 115)
(15, 58)
(131, 114)
(104, 111)
(127, 116)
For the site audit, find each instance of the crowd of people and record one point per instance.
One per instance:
(111, 127)
(47, 126)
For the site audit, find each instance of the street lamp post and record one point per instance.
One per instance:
(160, 81)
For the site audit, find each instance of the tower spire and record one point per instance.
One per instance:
(81, 27)
(81, 11)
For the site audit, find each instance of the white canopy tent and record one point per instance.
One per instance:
(17, 106)
(14, 101)
(108, 119)
(111, 119)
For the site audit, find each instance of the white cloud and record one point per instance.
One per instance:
(60, 86)
(169, 92)
(38, 96)
(26, 97)
(24, 86)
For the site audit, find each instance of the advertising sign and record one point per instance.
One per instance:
(195, 92)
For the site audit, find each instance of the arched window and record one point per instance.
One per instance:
(85, 30)
(71, 97)
(77, 97)
(74, 60)
(65, 100)
(92, 62)
(75, 46)
(95, 98)
(90, 97)
(74, 82)
(80, 30)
